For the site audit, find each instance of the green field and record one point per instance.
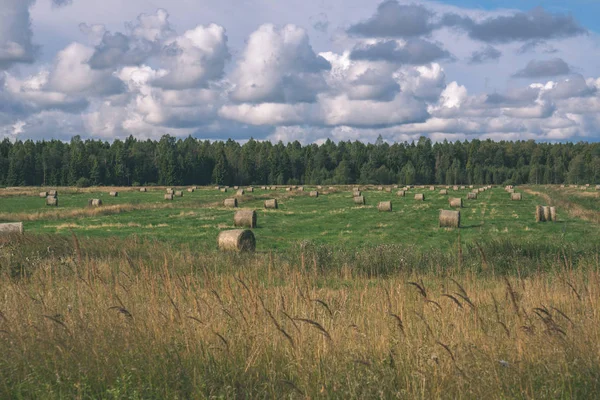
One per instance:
(133, 299)
(332, 218)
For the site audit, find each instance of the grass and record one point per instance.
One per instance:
(330, 219)
(144, 320)
(132, 301)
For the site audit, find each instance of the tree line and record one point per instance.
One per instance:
(171, 161)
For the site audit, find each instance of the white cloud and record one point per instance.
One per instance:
(194, 58)
(279, 66)
(71, 73)
(15, 33)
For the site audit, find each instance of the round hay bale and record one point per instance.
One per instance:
(456, 202)
(455, 188)
(232, 203)
(444, 191)
(356, 189)
(420, 197)
(553, 214)
(217, 187)
(510, 190)
(263, 188)
(236, 187)
(168, 196)
(240, 192)
(356, 193)
(301, 188)
(53, 193)
(546, 211)
(471, 196)
(114, 194)
(314, 193)
(431, 188)
(43, 195)
(179, 193)
(11, 228)
(481, 190)
(95, 202)
(144, 190)
(271, 204)
(462, 188)
(449, 219)
(319, 187)
(170, 191)
(385, 206)
(380, 188)
(539, 214)
(250, 190)
(288, 189)
(245, 218)
(236, 240)
(401, 193)
(191, 190)
(562, 186)
(52, 201)
(470, 186)
(223, 190)
(388, 189)
(359, 200)
(515, 196)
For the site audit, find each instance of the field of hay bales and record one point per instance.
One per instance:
(132, 299)
(332, 218)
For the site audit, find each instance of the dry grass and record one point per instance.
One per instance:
(80, 212)
(573, 209)
(129, 327)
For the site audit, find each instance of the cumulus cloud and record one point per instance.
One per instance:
(361, 80)
(536, 45)
(72, 73)
(543, 69)
(383, 75)
(395, 20)
(279, 66)
(142, 41)
(32, 95)
(485, 54)
(520, 26)
(15, 33)
(405, 21)
(413, 52)
(194, 58)
(575, 86)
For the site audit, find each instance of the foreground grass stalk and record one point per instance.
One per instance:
(139, 321)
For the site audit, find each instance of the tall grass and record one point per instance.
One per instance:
(137, 319)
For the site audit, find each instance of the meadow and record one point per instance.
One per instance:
(132, 300)
(332, 218)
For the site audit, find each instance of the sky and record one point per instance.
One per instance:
(306, 70)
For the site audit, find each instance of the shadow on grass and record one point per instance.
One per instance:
(472, 226)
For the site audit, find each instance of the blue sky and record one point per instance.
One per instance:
(300, 69)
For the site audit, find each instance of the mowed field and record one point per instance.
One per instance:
(332, 218)
(133, 300)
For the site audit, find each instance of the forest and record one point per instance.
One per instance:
(175, 161)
